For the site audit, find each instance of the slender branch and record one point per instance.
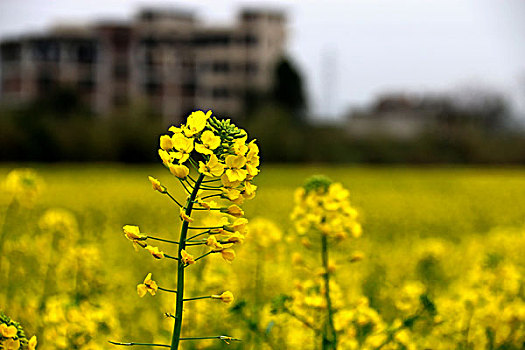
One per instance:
(161, 239)
(170, 257)
(142, 344)
(211, 195)
(205, 255)
(198, 298)
(197, 235)
(183, 185)
(302, 320)
(220, 337)
(204, 227)
(173, 199)
(167, 290)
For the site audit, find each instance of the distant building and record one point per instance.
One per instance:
(163, 58)
(396, 116)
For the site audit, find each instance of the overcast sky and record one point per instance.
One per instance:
(352, 50)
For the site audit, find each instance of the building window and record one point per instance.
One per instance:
(221, 67)
(251, 68)
(153, 88)
(121, 72)
(220, 92)
(46, 51)
(250, 40)
(11, 52)
(86, 53)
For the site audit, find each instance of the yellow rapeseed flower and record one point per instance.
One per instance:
(187, 258)
(212, 168)
(183, 146)
(165, 142)
(133, 233)
(213, 244)
(149, 286)
(157, 254)
(32, 343)
(8, 331)
(156, 185)
(228, 254)
(234, 165)
(11, 344)
(233, 210)
(196, 122)
(184, 217)
(239, 146)
(209, 142)
(180, 171)
(166, 157)
(226, 297)
(236, 237)
(239, 225)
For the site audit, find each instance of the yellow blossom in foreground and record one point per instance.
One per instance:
(209, 142)
(236, 238)
(228, 254)
(32, 343)
(8, 331)
(149, 285)
(180, 171)
(157, 254)
(187, 258)
(226, 297)
(165, 142)
(234, 210)
(213, 244)
(11, 344)
(196, 122)
(166, 157)
(234, 165)
(239, 146)
(183, 145)
(156, 185)
(133, 233)
(239, 225)
(212, 168)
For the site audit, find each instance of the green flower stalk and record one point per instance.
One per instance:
(215, 166)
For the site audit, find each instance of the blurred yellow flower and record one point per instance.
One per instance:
(228, 254)
(32, 343)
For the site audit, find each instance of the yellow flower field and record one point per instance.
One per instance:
(439, 263)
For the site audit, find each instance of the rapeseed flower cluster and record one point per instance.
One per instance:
(215, 165)
(12, 335)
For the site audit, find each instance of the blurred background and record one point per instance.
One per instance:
(362, 82)
(417, 107)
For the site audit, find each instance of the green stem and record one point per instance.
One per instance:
(198, 298)
(167, 290)
(161, 240)
(173, 199)
(329, 334)
(179, 301)
(136, 344)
